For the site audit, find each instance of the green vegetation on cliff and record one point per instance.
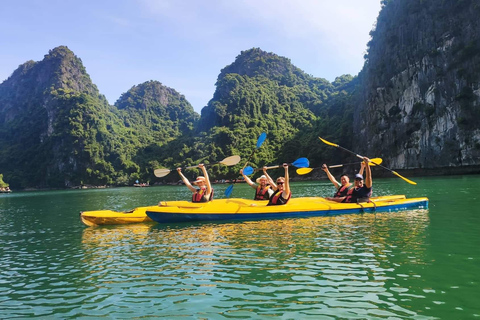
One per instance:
(59, 131)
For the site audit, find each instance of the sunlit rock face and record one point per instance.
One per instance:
(419, 105)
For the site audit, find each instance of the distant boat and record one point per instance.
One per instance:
(5, 190)
(141, 184)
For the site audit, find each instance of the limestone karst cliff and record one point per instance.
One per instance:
(419, 105)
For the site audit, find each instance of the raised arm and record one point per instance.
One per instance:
(248, 180)
(362, 168)
(207, 180)
(269, 179)
(368, 173)
(286, 190)
(331, 177)
(185, 180)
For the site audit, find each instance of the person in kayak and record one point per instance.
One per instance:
(282, 189)
(361, 190)
(263, 189)
(204, 193)
(345, 185)
(342, 187)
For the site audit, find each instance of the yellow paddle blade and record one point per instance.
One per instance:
(402, 177)
(375, 161)
(329, 143)
(304, 170)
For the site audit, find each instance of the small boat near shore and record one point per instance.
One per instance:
(5, 190)
(244, 209)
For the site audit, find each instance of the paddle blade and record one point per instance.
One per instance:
(248, 170)
(304, 170)
(301, 163)
(261, 139)
(375, 161)
(231, 161)
(161, 172)
(402, 177)
(228, 191)
(329, 143)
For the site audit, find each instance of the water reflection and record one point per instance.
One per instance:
(344, 266)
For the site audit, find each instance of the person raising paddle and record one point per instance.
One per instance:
(361, 191)
(263, 189)
(282, 193)
(342, 187)
(345, 185)
(205, 191)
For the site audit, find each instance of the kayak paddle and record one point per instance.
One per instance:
(299, 163)
(373, 162)
(260, 141)
(229, 161)
(359, 156)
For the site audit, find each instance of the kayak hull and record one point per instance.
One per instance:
(106, 217)
(241, 209)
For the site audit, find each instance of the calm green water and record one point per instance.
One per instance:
(410, 265)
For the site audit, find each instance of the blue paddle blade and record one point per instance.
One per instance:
(248, 170)
(261, 139)
(301, 163)
(228, 191)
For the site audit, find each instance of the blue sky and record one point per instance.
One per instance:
(185, 43)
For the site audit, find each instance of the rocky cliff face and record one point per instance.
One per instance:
(42, 138)
(419, 105)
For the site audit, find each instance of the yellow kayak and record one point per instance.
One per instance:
(102, 217)
(242, 209)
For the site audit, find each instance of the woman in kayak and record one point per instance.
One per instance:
(205, 191)
(282, 189)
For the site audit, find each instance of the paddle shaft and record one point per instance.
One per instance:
(228, 161)
(373, 162)
(271, 167)
(250, 158)
(361, 157)
(260, 141)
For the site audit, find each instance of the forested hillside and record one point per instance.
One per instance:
(57, 130)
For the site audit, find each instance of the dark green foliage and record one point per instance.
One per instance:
(71, 136)
(56, 130)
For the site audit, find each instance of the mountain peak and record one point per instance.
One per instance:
(256, 62)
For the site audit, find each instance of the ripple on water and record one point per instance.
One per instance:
(328, 267)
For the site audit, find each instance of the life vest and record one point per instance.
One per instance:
(342, 191)
(262, 193)
(199, 195)
(277, 198)
(353, 195)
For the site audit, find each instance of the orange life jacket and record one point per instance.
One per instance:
(342, 191)
(277, 198)
(199, 195)
(262, 193)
